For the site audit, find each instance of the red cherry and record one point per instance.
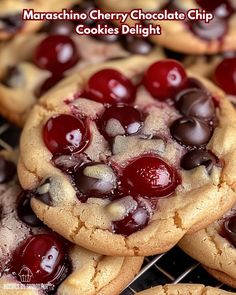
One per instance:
(110, 86)
(48, 84)
(56, 53)
(149, 176)
(65, 134)
(135, 220)
(128, 117)
(42, 256)
(221, 8)
(229, 229)
(225, 75)
(214, 30)
(165, 78)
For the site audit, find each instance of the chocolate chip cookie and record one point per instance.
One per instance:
(11, 22)
(220, 69)
(35, 260)
(214, 247)
(187, 36)
(127, 157)
(28, 68)
(184, 289)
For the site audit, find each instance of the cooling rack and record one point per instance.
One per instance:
(171, 267)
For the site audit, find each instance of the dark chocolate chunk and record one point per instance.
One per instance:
(196, 103)
(59, 27)
(25, 212)
(7, 170)
(106, 38)
(195, 158)
(174, 55)
(137, 45)
(11, 23)
(194, 83)
(85, 7)
(43, 193)
(13, 77)
(191, 132)
(95, 180)
(229, 229)
(48, 84)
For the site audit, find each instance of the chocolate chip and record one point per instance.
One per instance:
(59, 27)
(11, 23)
(43, 193)
(106, 38)
(196, 103)
(174, 55)
(13, 77)
(137, 45)
(95, 180)
(197, 158)
(191, 132)
(171, 6)
(70, 163)
(195, 83)
(25, 212)
(48, 84)
(213, 30)
(85, 7)
(7, 170)
(229, 229)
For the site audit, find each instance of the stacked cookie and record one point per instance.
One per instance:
(32, 253)
(124, 154)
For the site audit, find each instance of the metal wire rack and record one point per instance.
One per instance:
(171, 267)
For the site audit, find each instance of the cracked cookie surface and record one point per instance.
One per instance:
(85, 272)
(184, 289)
(190, 37)
(214, 247)
(88, 222)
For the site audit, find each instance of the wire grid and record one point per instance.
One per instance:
(171, 267)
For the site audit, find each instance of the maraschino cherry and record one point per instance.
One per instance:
(129, 118)
(221, 8)
(65, 134)
(225, 75)
(56, 53)
(165, 78)
(149, 176)
(111, 87)
(44, 256)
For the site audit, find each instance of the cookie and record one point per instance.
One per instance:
(215, 248)
(190, 37)
(28, 69)
(11, 22)
(218, 68)
(184, 289)
(110, 162)
(31, 254)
